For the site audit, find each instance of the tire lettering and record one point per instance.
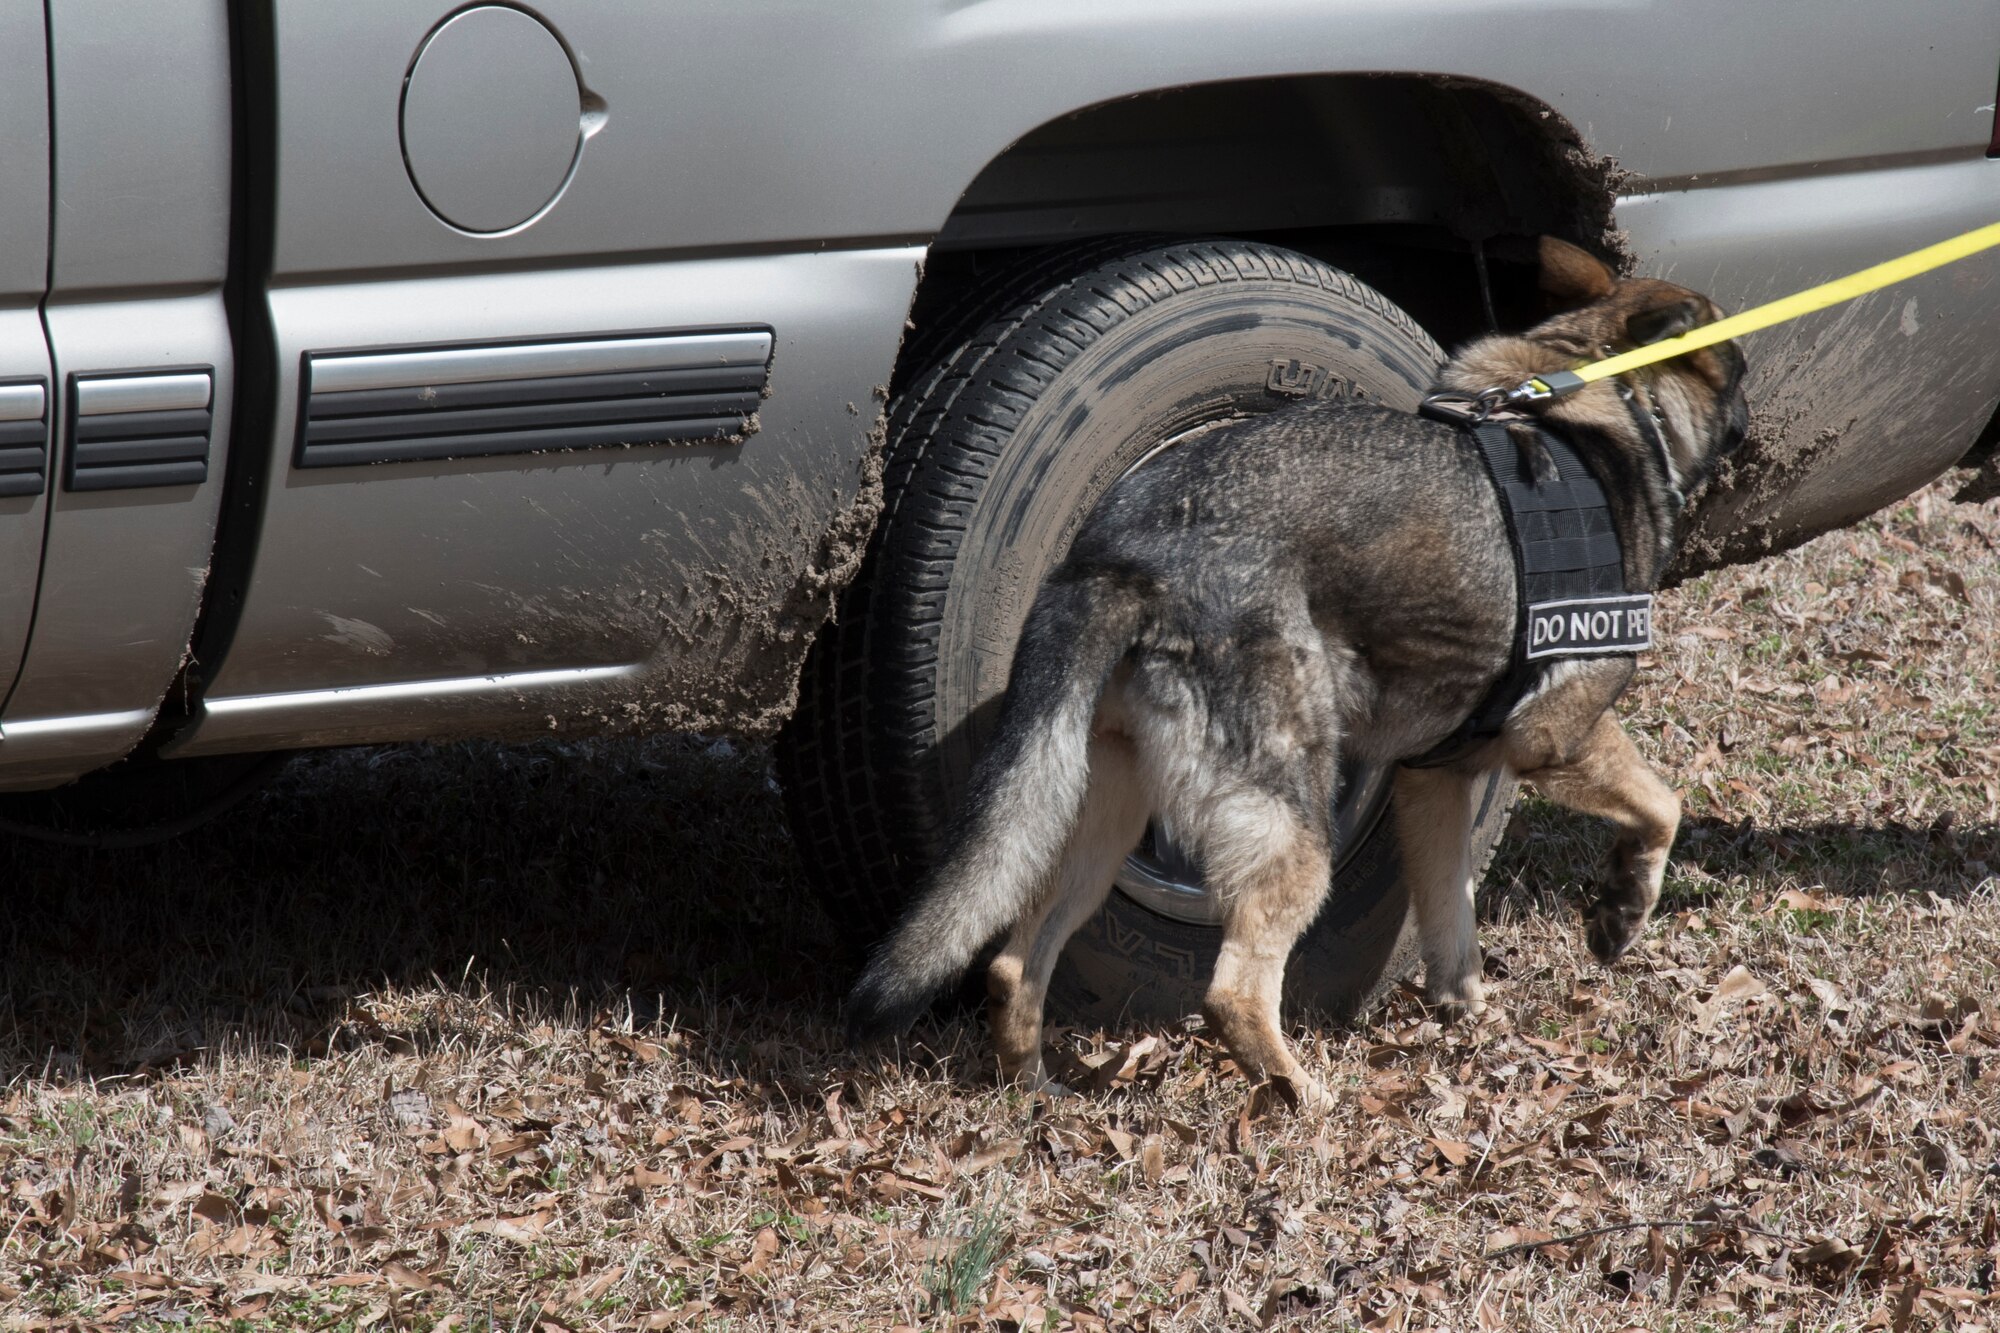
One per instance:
(1128, 943)
(1292, 378)
(1175, 962)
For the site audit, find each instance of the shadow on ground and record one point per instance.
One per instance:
(604, 875)
(1548, 850)
(649, 877)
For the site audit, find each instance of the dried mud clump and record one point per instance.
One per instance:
(1751, 483)
(735, 632)
(814, 596)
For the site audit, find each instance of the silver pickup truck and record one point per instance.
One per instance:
(393, 370)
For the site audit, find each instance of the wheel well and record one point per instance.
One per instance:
(1396, 178)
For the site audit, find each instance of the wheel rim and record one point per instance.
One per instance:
(1160, 876)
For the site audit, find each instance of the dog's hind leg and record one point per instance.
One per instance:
(1606, 777)
(1434, 833)
(1271, 869)
(1017, 983)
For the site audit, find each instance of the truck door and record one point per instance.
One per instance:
(540, 393)
(24, 353)
(134, 403)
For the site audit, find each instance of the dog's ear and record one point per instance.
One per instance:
(1664, 321)
(1572, 277)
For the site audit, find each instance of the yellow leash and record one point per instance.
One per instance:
(1764, 316)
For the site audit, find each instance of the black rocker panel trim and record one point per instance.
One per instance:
(190, 472)
(555, 389)
(115, 451)
(24, 448)
(529, 415)
(470, 423)
(141, 425)
(90, 455)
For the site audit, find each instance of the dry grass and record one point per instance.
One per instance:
(491, 1038)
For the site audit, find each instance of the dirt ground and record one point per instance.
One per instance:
(546, 1037)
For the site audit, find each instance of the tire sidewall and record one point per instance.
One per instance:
(1200, 355)
(1083, 399)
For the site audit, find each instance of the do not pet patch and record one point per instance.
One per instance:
(1590, 625)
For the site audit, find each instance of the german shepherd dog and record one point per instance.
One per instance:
(1331, 579)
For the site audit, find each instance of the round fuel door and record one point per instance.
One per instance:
(492, 119)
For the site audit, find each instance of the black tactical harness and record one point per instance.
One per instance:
(1570, 594)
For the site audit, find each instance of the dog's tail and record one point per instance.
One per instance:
(1021, 805)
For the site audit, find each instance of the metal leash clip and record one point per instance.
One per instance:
(1466, 409)
(1542, 388)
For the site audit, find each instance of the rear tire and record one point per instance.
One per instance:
(1041, 390)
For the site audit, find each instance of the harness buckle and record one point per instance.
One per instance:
(1464, 409)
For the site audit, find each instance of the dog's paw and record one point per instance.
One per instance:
(1451, 1012)
(1303, 1093)
(1458, 1003)
(1612, 927)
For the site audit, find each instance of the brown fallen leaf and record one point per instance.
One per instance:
(405, 1278)
(1458, 1154)
(521, 1229)
(244, 1242)
(688, 1105)
(215, 1208)
(1116, 1068)
(514, 1145)
(1526, 1239)
(462, 1133)
(1739, 984)
(894, 1183)
(635, 1046)
(991, 1155)
(1152, 1160)
(762, 1250)
(1906, 1306)
(1831, 1253)
(591, 1288)
(172, 1196)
